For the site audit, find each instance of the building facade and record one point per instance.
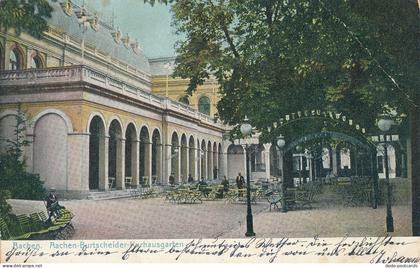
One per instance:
(91, 117)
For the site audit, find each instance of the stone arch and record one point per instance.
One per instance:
(145, 156)
(175, 156)
(235, 160)
(101, 116)
(118, 119)
(115, 153)
(8, 121)
(37, 61)
(50, 150)
(60, 113)
(16, 57)
(209, 160)
(131, 156)
(98, 174)
(133, 123)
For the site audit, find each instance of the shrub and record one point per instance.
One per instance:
(13, 175)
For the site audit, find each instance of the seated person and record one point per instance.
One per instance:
(172, 179)
(202, 186)
(190, 179)
(52, 205)
(225, 184)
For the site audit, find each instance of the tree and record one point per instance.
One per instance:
(274, 57)
(13, 176)
(24, 15)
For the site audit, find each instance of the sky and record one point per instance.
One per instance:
(150, 25)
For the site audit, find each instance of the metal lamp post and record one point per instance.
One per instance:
(384, 124)
(246, 130)
(280, 144)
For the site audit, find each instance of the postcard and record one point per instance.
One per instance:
(182, 131)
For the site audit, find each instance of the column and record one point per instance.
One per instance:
(267, 159)
(103, 164)
(334, 162)
(78, 163)
(178, 172)
(159, 163)
(120, 169)
(148, 162)
(167, 163)
(135, 158)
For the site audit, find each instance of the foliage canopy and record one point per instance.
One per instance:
(275, 57)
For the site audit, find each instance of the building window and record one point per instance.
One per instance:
(15, 60)
(184, 99)
(204, 105)
(36, 62)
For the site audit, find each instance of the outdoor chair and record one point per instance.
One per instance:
(135, 192)
(42, 216)
(128, 182)
(273, 199)
(36, 222)
(24, 223)
(4, 230)
(303, 198)
(196, 196)
(111, 182)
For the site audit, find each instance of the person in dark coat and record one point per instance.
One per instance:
(190, 178)
(240, 181)
(172, 179)
(52, 205)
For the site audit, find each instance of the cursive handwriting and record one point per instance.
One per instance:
(383, 250)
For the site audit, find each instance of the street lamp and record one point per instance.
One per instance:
(384, 124)
(246, 130)
(280, 144)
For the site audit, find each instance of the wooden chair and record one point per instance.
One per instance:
(4, 230)
(36, 222)
(42, 216)
(24, 223)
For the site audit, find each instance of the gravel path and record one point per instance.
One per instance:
(155, 218)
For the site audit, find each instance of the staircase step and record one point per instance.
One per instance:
(109, 195)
